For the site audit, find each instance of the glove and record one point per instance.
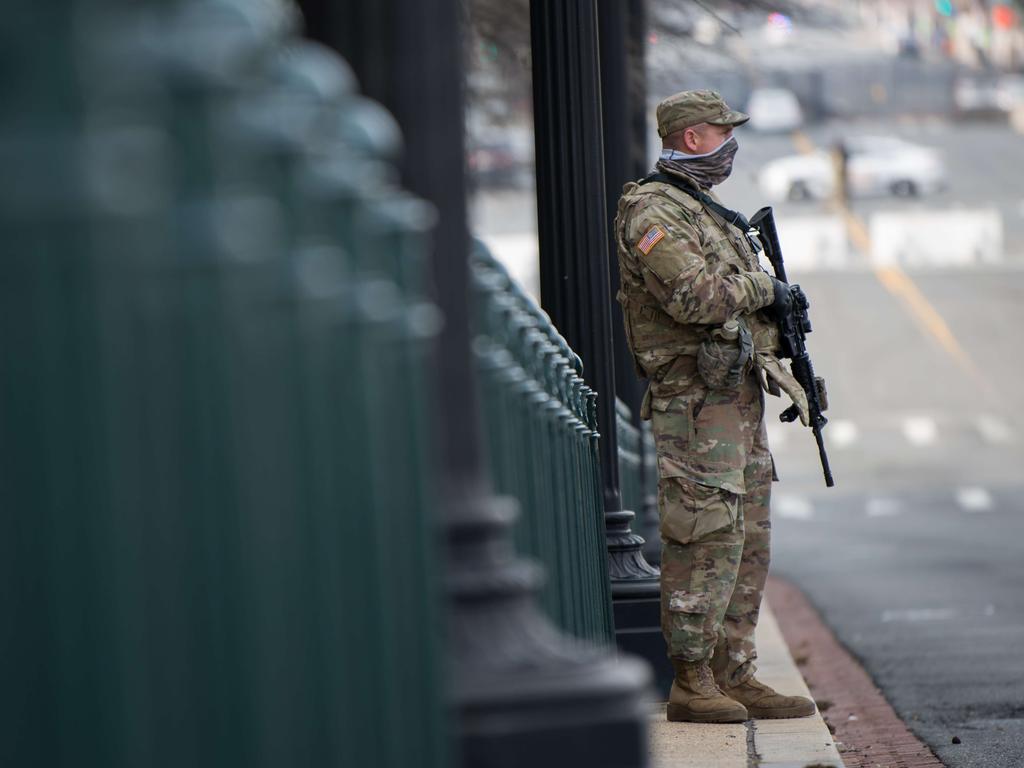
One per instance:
(783, 302)
(776, 371)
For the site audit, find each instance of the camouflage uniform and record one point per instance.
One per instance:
(685, 272)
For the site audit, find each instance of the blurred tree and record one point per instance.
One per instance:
(498, 83)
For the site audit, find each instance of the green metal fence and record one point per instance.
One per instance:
(638, 478)
(649, 517)
(631, 470)
(540, 423)
(216, 542)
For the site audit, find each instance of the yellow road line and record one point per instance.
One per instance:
(899, 284)
(803, 142)
(855, 227)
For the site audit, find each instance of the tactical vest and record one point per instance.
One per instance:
(663, 349)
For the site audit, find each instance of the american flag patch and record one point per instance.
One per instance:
(651, 239)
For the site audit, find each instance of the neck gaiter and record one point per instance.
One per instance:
(706, 170)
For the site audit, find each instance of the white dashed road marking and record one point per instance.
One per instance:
(776, 433)
(994, 430)
(974, 499)
(882, 507)
(920, 430)
(918, 614)
(842, 433)
(794, 507)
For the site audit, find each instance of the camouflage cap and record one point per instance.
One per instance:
(691, 107)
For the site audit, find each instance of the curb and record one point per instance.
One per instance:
(866, 727)
(798, 743)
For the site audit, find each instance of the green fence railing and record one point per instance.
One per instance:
(631, 469)
(212, 401)
(541, 433)
(647, 512)
(638, 478)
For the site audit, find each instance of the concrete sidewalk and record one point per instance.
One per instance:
(799, 743)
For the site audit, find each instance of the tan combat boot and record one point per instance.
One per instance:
(764, 702)
(695, 698)
(760, 700)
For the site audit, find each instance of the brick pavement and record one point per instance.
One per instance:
(862, 721)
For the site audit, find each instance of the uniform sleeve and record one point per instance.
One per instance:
(671, 259)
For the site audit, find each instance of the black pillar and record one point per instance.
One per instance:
(383, 41)
(573, 233)
(573, 213)
(636, 51)
(616, 122)
(627, 114)
(613, 29)
(524, 693)
(571, 201)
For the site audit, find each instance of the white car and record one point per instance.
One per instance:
(876, 165)
(774, 110)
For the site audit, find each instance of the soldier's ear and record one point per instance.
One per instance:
(691, 138)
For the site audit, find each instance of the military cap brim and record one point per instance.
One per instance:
(733, 117)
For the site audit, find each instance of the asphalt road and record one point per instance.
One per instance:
(916, 557)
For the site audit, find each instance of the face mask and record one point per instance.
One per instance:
(708, 169)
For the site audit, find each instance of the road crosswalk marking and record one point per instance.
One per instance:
(994, 430)
(974, 499)
(918, 614)
(776, 434)
(842, 433)
(882, 506)
(920, 430)
(970, 500)
(793, 507)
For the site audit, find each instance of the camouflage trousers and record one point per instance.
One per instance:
(714, 489)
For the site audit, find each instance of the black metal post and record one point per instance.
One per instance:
(573, 234)
(636, 49)
(618, 169)
(524, 693)
(626, 117)
(380, 41)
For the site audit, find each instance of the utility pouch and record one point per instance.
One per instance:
(645, 406)
(725, 358)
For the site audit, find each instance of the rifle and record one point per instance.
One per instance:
(793, 329)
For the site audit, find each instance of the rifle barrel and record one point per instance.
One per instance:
(829, 482)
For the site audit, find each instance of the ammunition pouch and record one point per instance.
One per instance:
(723, 362)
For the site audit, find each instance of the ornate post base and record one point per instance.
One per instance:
(526, 694)
(652, 539)
(636, 598)
(630, 573)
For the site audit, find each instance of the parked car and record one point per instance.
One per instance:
(774, 110)
(876, 165)
(1010, 92)
(977, 96)
(497, 164)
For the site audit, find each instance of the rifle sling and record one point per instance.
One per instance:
(735, 218)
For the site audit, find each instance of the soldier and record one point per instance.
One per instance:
(698, 311)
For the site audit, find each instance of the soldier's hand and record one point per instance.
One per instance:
(783, 303)
(774, 369)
